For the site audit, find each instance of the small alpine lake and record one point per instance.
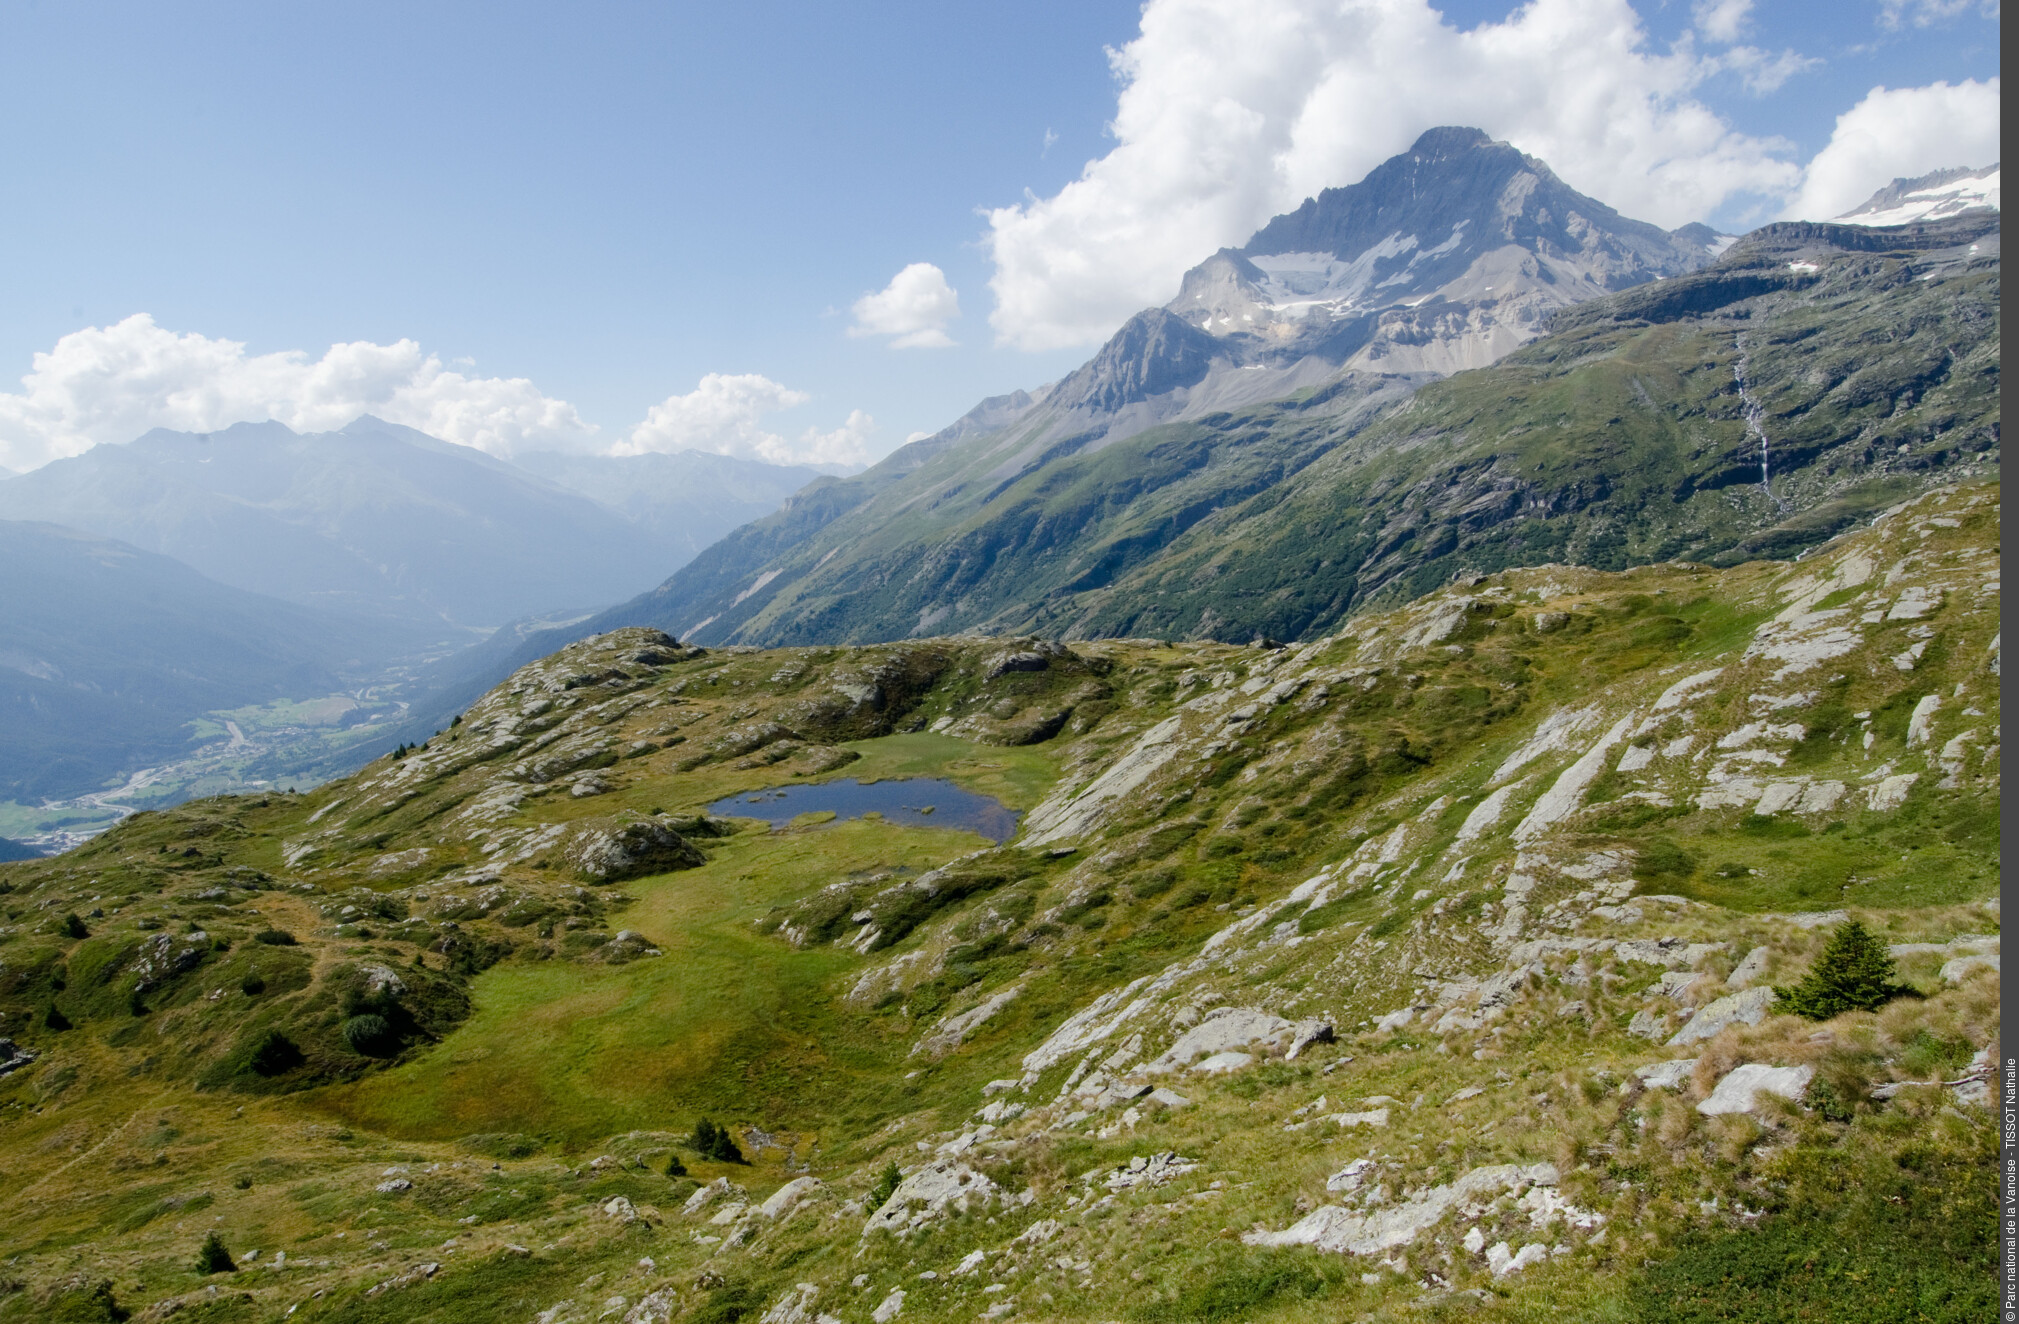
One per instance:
(910, 801)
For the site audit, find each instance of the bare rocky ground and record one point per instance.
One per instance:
(1419, 971)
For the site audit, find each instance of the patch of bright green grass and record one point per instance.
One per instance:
(728, 1022)
(1930, 852)
(1912, 1244)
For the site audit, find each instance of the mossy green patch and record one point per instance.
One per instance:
(728, 1021)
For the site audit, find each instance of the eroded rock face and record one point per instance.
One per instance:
(1739, 1090)
(796, 1307)
(788, 1197)
(1666, 1075)
(608, 852)
(927, 1192)
(952, 1031)
(1068, 814)
(1225, 1030)
(161, 958)
(1504, 1260)
(1747, 1008)
(652, 1308)
(1149, 1170)
(381, 981)
(720, 1188)
(420, 1273)
(1748, 971)
(1006, 662)
(1336, 1228)
(1963, 967)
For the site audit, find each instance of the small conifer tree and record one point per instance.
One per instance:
(369, 1034)
(212, 1257)
(714, 1142)
(274, 1054)
(674, 1167)
(886, 1186)
(1854, 973)
(703, 1139)
(73, 927)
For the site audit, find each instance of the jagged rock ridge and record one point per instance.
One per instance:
(1444, 258)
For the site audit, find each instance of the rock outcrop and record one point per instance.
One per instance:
(610, 852)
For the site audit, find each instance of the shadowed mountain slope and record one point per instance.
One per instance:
(1868, 358)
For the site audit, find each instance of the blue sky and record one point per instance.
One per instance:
(613, 201)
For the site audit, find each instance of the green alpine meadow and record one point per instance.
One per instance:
(1565, 944)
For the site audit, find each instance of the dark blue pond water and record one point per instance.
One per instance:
(917, 801)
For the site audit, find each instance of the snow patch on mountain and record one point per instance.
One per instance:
(1929, 198)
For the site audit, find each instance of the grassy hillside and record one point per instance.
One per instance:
(1619, 439)
(1622, 439)
(1394, 920)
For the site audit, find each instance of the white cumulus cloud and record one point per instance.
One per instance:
(112, 383)
(1231, 111)
(847, 445)
(914, 309)
(1723, 20)
(1762, 72)
(1899, 132)
(1894, 14)
(722, 414)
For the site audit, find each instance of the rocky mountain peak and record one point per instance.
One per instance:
(1155, 352)
(1444, 257)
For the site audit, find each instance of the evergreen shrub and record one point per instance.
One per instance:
(1854, 973)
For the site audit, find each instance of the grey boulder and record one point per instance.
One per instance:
(1740, 1088)
(1747, 1008)
(610, 852)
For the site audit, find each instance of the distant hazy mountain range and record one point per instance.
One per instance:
(384, 521)
(185, 574)
(107, 652)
